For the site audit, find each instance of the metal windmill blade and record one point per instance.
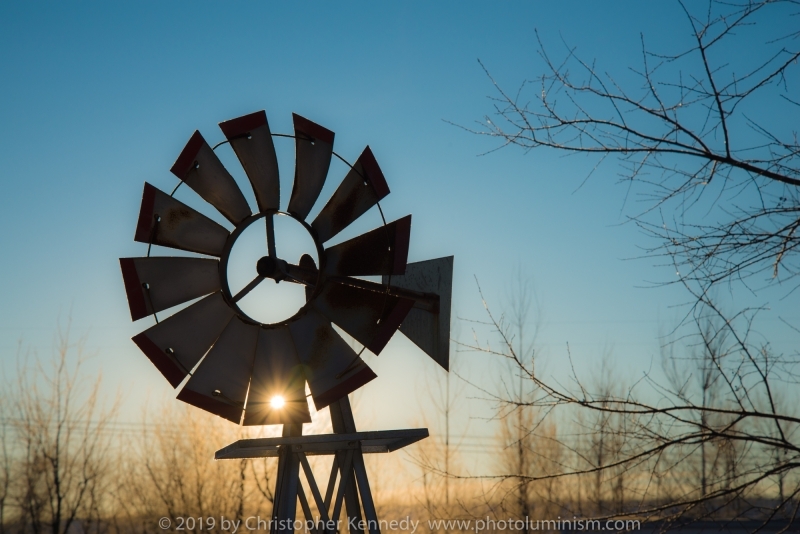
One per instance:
(380, 251)
(314, 146)
(168, 222)
(251, 139)
(363, 187)
(230, 363)
(155, 284)
(370, 317)
(220, 383)
(277, 373)
(178, 343)
(200, 168)
(333, 369)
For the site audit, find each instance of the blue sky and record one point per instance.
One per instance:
(99, 97)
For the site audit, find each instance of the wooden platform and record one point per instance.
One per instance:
(324, 444)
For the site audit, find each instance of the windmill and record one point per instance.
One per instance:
(231, 364)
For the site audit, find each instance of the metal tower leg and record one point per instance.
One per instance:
(344, 423)
(348, 466)
(284, 507)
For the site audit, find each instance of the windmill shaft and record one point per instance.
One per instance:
(277, 269)
(424, 301)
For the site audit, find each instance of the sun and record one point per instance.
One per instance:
(277, 402)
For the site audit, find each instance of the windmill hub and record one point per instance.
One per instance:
(273, 242)
(270, 267)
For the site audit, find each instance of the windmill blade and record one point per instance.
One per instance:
(429, 329)
(371, 318)
(219, 385)
(361, 189)
(251, 139)
(333, 369)
(380, 251)
(168, 222)
(314, 148)
(176, 344)
(158, 283)
(202, 170)
(276, 372)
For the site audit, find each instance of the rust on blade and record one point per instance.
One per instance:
(168, 222)
(380, 251)
(361, 189)
(251, 140)
(333, 369)
(202, 170)
(371, 318)
(314, 149)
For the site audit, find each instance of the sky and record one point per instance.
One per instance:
(99, 97)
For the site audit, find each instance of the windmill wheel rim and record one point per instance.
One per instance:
(224, 259)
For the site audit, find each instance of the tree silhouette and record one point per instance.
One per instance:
(721, 178)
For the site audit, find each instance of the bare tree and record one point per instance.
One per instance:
(440, 455)
(602, 445)
(728, 415)
(5, 461)
(518, 421)
(60, 452)
(721, 182)
(171, 472)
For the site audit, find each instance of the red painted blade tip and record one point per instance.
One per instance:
(167, 367)
(133, 288)
(390, 325)
(209, 404)
(374, 173)
(144, 225)
(312, 129)
(242, 125)
(185, 161)
(348, 386)
(401, 241)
